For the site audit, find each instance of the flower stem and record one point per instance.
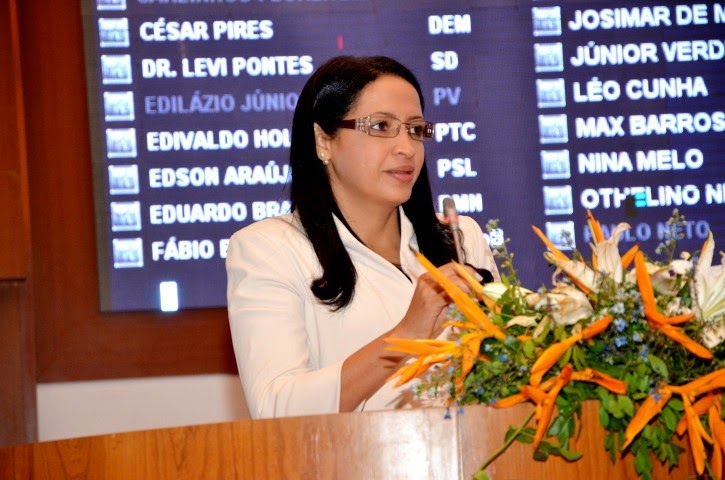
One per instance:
(508, 442)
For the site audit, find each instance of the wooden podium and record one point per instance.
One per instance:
(404, 444)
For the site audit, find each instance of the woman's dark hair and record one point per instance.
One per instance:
(327, 97)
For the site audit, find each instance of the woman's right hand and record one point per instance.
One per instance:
(429, 306)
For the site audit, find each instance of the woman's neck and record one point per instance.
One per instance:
(378, 229)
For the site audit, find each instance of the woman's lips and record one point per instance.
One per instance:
(403, 174)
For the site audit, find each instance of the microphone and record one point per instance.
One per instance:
(451, 214)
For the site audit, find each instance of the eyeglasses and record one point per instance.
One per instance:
(381, 125)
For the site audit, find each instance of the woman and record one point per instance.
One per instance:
(313, 294)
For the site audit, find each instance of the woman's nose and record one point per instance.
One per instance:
(405, 143)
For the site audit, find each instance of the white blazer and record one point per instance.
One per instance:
(289, 347)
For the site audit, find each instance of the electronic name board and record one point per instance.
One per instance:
(543, 110)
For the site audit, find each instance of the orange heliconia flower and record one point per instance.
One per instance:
(594, 376)
(586, 375)
(717, 428)
(700, 407)
(695, 430)
(558, 253)
(520, 397)
(595, 227)
(545, 402)
(477, 288)
(475, 284)
(704, 384)
(650, 407)
(429, 352)
(628, 256)
(470, 309)
(511, 400)
(657, 320)
(544, 395)
(696, 433)
(561, 256)
(552, 354)
(470, 348)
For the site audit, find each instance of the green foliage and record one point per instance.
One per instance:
(630, 350)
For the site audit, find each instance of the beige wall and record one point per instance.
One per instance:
(79, 409)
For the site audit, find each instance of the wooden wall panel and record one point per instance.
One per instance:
(17, 353)
(74, 340)
(14, 215)
(18, 416)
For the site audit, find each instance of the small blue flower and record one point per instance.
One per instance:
(643, 351)
(636, 337)
(487, 348)
(618, 308)
(503, 358)
(620, 325)
(621, 341)
(447, 416)
(492, 401)
(523, 368)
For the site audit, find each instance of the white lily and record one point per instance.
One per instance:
(565, 305)
(580, 272)
(664, 278)
(708, 293)
(523, 320)
(495, 290)
(609, 262)
(674, 307)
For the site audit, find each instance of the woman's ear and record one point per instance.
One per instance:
(322, 142)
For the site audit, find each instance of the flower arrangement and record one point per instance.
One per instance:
(643, 338)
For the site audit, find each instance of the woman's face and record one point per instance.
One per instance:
(366, 170)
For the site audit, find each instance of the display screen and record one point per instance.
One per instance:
(543, 109)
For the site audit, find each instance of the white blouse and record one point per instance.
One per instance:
(290, 347)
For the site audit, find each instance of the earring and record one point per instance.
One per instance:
(322, 157)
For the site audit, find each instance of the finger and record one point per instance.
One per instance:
(449, 271)
(453, 271)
